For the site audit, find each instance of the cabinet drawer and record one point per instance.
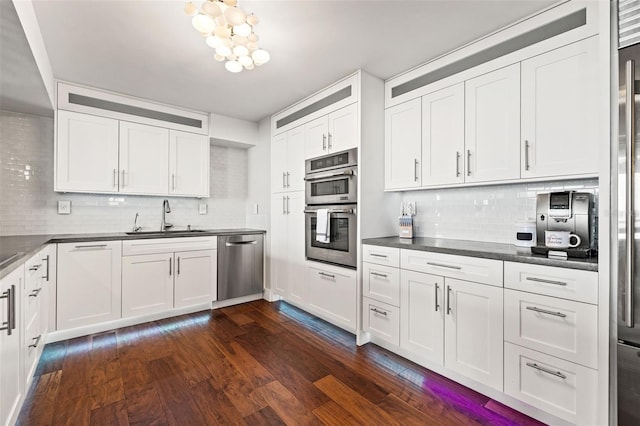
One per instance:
(558, 327)
(572, 284)
(332, 294)
(381, 283)
(562, 388)
(381, 320)
(168, 245)
(485, 271)
(380, 255)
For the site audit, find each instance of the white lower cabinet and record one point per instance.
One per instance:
(89, 283)
(559, 387)
(381, 320)
(12, 386)
(155, 278)
(473, 329)
(33, 302)
(332, 294)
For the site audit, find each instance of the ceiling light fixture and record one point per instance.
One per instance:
(230, 31)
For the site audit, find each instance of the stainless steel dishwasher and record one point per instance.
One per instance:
(240, 265)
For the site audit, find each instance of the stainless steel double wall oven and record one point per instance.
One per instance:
(331, 183)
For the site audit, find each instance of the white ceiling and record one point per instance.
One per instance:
(149, 48)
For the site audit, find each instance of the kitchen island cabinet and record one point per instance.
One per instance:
(89, 283)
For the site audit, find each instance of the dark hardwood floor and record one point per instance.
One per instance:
(256, 363)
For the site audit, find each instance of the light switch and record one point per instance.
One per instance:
(64, 207)
(202, 208)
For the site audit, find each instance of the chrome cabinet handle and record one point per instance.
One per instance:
(630, 152)
(384, 256)
(377, 274)
(330, 137)
(173, 181)
(115, 178)
(288, 180)
(415, 169)
(284, 180)
(542, 280)
(442, 265)
(324, 274)
(457, 163)
(47, 259)
(178, 266)
(378, 311)
(448, 300)
(35, 267)
(35, 292)
(468, 162)
(436, 298)
(170, 262)
(10, 323)
(284, 208)
(37, 340)
(123, 181)
(91, 246)
(324, 142)
(544, 311)
(526, 155)
(288, 201)
(546, 370)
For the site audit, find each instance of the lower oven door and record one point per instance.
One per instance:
(342, 246)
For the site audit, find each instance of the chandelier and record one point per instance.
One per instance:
(230, 31)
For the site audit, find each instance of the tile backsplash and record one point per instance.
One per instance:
(28, 204)
(483, 213)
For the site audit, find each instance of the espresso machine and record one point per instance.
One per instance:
(567, 211)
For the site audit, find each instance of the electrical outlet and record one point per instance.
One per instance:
(202, 208)
(64, 207)
(411, 207)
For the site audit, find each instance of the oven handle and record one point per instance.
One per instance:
(329, 175)
(331, 211)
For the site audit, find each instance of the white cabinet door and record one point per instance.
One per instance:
(279, 163)
(147, 284)
(144, 159)
(343, 129)
(381, 320)
(443, 136)
(279, 240)
(422, 315)
(86, 153)
(195, 277)
(89, 283)
(11, 380)
(403, 145)
(316, 137)
(48, 306)
(295, 159)
(473, 329)
(332, 294)
(381, 283)
(296, 259)
(492, 125)
(32, 303)
(188, 164)
(560, 134)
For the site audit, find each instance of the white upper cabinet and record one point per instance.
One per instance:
(86, 153)
(492, 126)
(334, 132)
(403, 145)
(188, 164)
(144, 159)
(559, 111)
(443, 136)
(287, 161)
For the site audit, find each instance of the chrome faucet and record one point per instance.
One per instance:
(136, 228)
(164, 226)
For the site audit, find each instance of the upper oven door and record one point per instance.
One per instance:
(333, 187)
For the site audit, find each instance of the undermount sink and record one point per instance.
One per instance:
(171, 232)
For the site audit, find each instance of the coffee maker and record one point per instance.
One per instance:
(567, 211)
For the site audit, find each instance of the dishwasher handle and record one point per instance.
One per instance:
(241, 243)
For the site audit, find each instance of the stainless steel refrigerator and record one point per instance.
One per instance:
(626, 214)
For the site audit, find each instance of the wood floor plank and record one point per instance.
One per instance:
(354, 403)
(256, 363)
(286, 405)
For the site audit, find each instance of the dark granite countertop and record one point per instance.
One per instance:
(496, 251)
(24, 246)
